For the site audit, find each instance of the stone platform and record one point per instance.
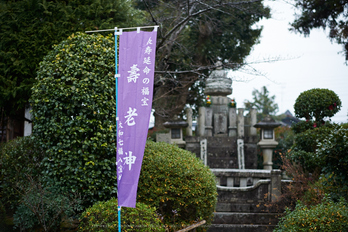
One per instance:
(244, 198)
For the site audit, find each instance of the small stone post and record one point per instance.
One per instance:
(276, 184)
(253, 121)
(240, 123)
(208, 128)
(232, 117)
(201, 121)
(189, 122)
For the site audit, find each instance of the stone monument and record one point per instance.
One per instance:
(231, 137)
(226, 140)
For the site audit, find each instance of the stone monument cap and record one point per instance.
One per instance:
(218, 84)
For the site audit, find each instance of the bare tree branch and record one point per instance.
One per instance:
(195, 34)
(190, 15)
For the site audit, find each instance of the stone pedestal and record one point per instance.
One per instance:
(267, 158)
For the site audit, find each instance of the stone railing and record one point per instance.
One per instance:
(247, 200)
(248, 185)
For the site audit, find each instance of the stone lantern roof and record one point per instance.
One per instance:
(175, 124)
(267, 122)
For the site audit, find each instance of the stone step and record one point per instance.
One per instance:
(248, 207)
(246, 218)
(240, 228)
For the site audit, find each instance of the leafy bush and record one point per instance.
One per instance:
(327, 216)
(74, 115)
(317, 104)
(302, 126)
(301, 182)
(326, 184)
(306, 144)
(44, 207)
(334, 150)
(19, 159)
(309, 139)
(285, 138)
(178, 184)
(308, 160)
(324, 149)
(103, 216)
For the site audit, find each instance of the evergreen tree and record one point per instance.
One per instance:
(29, 28)
(324, 14)
(263, 102)
(192, 37)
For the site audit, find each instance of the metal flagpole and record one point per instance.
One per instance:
(116, 85)
(126, 28)
(117, 75)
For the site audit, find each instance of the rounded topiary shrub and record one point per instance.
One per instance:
(326, 216)
(103, 216)
(302, 126)
(74, 115)
(20, 159)
(178, 184)
(317, 104)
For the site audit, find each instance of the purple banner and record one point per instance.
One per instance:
(135, 89)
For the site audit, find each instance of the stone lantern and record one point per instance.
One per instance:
(267, 142)
(176, 132)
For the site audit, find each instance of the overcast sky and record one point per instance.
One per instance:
(310, 62)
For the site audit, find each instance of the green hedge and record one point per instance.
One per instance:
(178, 184)
(74, 115)
(103, 216)
(327, 216)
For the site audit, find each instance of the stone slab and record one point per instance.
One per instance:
(240, 228)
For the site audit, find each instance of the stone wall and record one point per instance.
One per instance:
(240, 185)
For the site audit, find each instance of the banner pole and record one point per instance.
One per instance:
(116, 77)
(127, 28)
(116, 86)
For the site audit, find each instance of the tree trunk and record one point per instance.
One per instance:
(9, 129)
(169, 103)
